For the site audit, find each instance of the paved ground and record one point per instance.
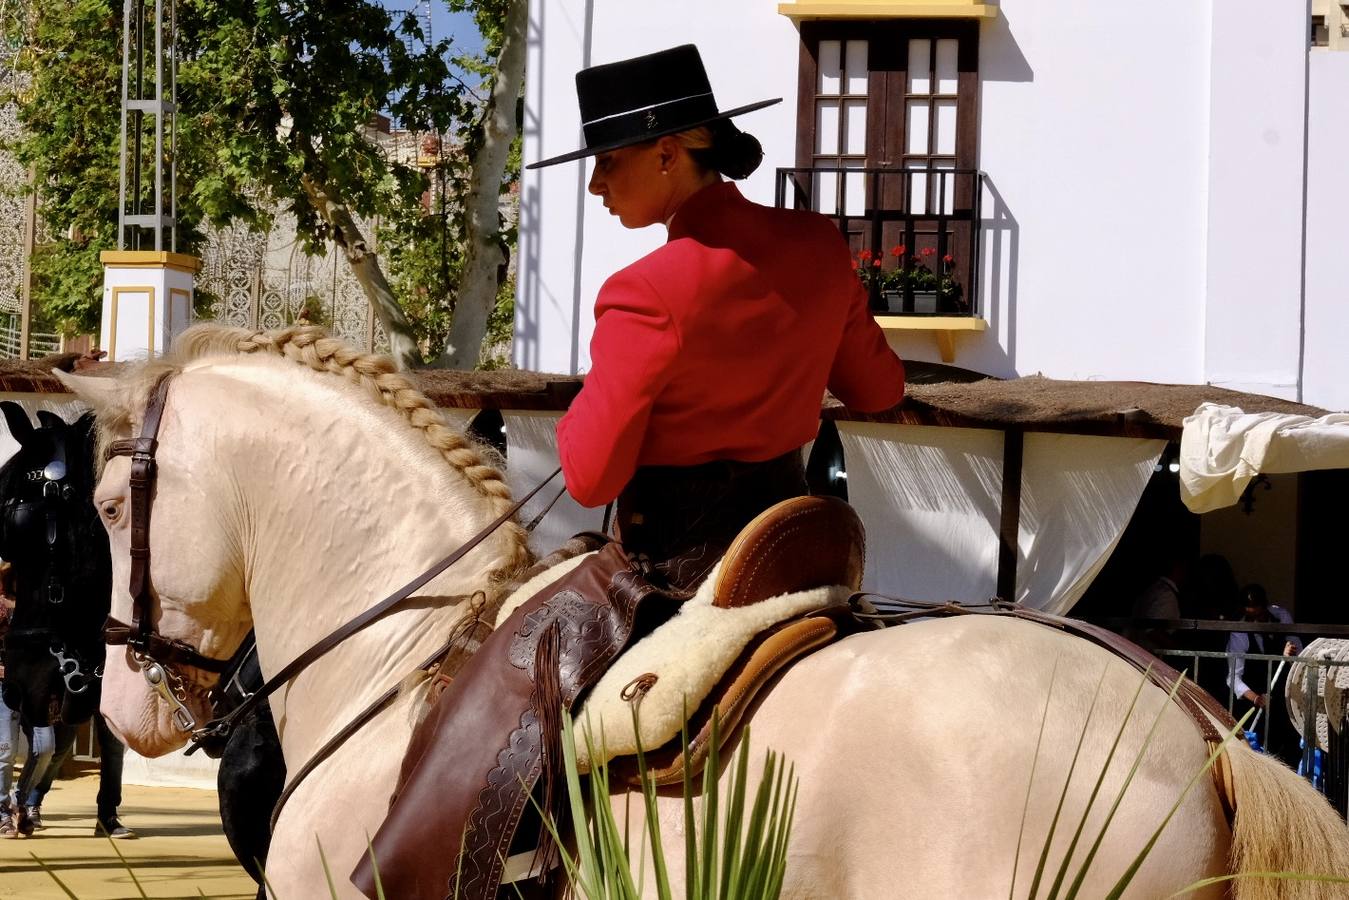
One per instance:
(181, 851)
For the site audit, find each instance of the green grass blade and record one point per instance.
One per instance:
(1282, 876)
(735, 818)
(711, 788)
(271, 892)
(1096, 788)
(1035, 761)
(327, 873)
(1128, 779)
(52, 875)
(1147, 848)
(374, 866)
(126, 865)
(587, 860)
(652, 815)
(691, 868)
(1063, 796)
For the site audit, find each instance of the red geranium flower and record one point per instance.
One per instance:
(948, 259)
(876, 263)
(927, 251)
(864, 255)
(900, 250)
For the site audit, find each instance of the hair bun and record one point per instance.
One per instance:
(740, 153)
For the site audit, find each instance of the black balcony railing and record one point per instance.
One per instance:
(921, 224)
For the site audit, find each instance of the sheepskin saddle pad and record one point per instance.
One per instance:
(748, 619)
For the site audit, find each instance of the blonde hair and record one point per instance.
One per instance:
(722, 147)
(310, 345)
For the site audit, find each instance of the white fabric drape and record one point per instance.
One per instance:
(531, 448)
(931, 500)
(1223, 448)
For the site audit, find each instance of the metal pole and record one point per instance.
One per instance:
(121, 143)
(173, 126)
(1310, 687)
(159, 123)
(1013, 444)
(29, 239)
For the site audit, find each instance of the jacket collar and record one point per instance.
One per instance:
(703, 205)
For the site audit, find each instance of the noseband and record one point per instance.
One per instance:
(156, 655)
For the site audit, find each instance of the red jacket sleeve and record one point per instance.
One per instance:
(867, 375)
(631, 358)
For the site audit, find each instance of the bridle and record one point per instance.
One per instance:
(159, 656)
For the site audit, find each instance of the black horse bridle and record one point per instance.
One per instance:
(158, 656)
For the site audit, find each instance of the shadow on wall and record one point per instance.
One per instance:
(1000, 59)
(1000, 251)
(531, 292)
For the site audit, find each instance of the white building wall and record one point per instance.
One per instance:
(1093, 132)
(1144, 212)
(1253, 309)
(1326, 369)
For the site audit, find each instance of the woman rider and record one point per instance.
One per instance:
(709, 361)
(711, 354)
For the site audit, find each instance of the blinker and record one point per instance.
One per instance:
(54, 471)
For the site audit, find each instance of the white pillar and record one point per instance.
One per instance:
(147, 301)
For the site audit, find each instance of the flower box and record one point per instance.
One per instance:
(923, 302)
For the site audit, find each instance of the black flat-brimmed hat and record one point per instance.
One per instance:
(638, 100)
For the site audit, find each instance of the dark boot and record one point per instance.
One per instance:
(8, 829)
(24, 823)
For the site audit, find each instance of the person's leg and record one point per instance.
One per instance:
(111, 754)
(41, 748)
(9, 748)
(9, 744)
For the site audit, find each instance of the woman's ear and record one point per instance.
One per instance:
(667, 153)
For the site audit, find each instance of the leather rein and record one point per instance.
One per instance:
(158, 656)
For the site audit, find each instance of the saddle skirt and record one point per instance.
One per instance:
(688, 656)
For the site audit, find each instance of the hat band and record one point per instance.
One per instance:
(659, 117)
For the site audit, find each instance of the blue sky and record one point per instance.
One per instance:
(443, 22)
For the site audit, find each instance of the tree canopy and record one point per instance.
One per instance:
(275, 99)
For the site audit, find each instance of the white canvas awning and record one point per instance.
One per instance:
(1222, 448)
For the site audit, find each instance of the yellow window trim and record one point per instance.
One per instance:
(943, 328)
(150, 259)
(887, 9)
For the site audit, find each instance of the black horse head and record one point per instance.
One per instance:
(62, 573)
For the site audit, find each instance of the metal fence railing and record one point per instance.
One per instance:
(39, 343)
(1326, 767)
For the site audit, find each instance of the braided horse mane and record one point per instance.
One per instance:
(311, 346)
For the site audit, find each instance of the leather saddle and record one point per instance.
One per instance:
(495, 733)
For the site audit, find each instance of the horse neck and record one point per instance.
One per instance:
(342, 511)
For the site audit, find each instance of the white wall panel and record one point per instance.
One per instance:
(1326, 360)
(1252, 323)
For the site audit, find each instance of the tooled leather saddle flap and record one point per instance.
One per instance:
(473, 761)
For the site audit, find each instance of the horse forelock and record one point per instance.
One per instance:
(311, 347)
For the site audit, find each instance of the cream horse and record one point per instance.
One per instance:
(301, 480)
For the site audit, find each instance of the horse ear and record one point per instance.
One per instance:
(102, 394)
(17, 420)
(50, 419)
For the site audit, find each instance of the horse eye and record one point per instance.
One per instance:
(111, 510)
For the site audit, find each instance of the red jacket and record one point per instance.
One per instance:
(719, 345)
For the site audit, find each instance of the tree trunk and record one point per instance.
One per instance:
(365, 266)
(478, 285)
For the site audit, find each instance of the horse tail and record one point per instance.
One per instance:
(1282, 825)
